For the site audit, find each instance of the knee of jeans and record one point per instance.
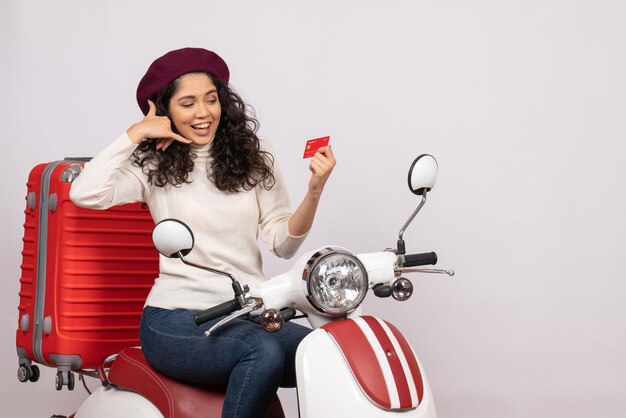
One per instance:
(269, 354)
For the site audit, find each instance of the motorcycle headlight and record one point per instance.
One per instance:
(335, 282)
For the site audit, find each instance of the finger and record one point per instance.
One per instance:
(315, 167)
(324, 150)
(323, 169)
(167, 143)
(320, 156)
(324, 153)
(152, 108)
(319, 162)
(159, 144)
(323, 161)
(327, 152)
(331, 154)
(180, 138)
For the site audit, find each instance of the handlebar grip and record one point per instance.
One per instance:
(216, 311)
(422, 259)
(288, 314)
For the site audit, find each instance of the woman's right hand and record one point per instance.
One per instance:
(155, 127)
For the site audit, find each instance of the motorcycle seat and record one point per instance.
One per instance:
(175, 399)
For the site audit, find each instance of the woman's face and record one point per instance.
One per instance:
(195, 108)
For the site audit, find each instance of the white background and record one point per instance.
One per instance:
(522, 102)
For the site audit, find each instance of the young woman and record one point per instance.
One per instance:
(195, 157)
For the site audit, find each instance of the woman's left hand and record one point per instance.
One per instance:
(321, 166)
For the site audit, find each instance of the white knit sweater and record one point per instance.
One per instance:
(225, 225)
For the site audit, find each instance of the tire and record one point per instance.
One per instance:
(23, 373)
(58, 382)
(34, 373)
(70, 380)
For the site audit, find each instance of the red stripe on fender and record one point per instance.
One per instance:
(410, 358)
(361, 359)
(394, 362)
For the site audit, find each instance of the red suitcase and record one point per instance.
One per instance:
(85, 277)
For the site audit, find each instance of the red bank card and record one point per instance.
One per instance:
(312, 145)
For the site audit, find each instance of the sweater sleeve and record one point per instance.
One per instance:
(274, 214)
(110, 179)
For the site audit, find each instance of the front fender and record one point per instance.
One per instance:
(342, 373)
(112, 402)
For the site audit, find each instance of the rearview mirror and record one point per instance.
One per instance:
(423, 174)
(172, 237)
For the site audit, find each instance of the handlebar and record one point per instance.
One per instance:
(422, 259)
(288, 314)
(216, 311)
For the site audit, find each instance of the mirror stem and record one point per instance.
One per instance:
(401, 249)
(239, 291)
(223, 273)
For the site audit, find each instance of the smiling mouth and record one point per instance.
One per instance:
(201, 126)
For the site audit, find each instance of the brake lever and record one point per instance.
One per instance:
(436, 271)
(252, 305)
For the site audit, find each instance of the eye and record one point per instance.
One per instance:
(187, 105)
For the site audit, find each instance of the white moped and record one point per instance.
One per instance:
(350, 365)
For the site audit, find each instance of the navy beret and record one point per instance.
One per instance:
(174, 64)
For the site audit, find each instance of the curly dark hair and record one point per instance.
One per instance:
(238, 161)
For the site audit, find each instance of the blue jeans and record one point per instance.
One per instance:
(251, 361)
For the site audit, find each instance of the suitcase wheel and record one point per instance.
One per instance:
(27, 373)
(35, 373)
(64, 378)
